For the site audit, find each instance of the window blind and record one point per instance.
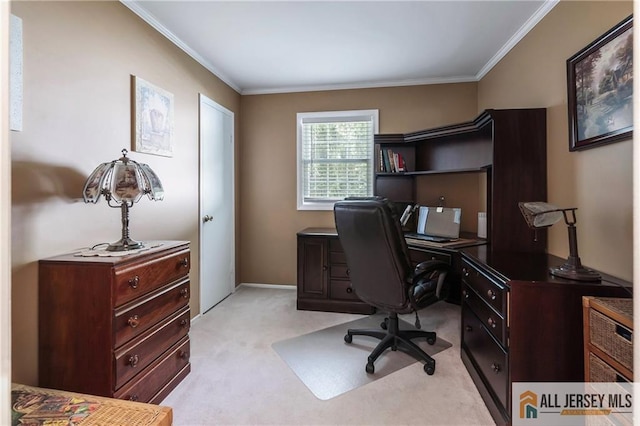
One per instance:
(336, 156)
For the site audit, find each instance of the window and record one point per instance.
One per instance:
(335, 157)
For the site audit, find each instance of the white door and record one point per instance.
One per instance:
(217, 224)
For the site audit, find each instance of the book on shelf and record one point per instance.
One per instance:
(391, 162)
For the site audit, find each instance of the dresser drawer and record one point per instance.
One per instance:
(490, 319)
(138, 316)
(341, 289)
(494, 294)
(145, 386)
(490, 359)
(132, 281)
(133, 358)
(600, 371)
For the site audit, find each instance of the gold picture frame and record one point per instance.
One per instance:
(152, 118)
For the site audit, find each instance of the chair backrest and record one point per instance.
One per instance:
(376, 251)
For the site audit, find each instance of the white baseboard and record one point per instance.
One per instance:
(274, 286)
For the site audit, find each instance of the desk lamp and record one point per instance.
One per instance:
(122, 182)
(543, 215)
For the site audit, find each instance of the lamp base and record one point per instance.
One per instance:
(572, 272)
(125, 244)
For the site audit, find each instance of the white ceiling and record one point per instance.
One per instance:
(291, 46)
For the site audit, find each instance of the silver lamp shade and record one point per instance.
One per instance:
(539, 214)
(123, 182)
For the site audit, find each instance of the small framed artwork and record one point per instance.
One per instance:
(152, 118)
(600, 89)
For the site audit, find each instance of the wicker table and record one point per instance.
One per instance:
(34, 406)
(608, 339)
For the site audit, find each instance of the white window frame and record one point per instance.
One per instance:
(370, 114)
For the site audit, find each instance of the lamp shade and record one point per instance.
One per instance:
(123, 182)
(539, 214)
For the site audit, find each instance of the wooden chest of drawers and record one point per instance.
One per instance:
(116, 326)
(608, 339)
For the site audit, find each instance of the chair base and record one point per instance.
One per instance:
(395, 339)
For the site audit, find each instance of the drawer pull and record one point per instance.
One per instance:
(184, 262)
(495, 367)
(465, 272)
(183, 354)
(184, 322)
(465, 294)
(133, 360)
(324, 267)
(133, 397)
(491, 322)
(133, 321)
(184, 293)
(133, 282)
(491, 294)
(468, 328)
(624, 332)
(348, 272)
(349, 290)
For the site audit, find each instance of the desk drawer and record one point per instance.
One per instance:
(492, 293)
(143, 350)
(341, 289)
(421, 255)
(132, 281)
(489, 318)
(491, 360)
(138, 316)
(340, 272)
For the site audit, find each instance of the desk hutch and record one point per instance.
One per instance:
(519, 323)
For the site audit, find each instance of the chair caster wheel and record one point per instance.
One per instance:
(348, 338)
(431, 340)
(384, 324)
(430, 368)
(370, 368)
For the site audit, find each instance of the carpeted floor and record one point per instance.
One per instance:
(238, 378)
(330, 367)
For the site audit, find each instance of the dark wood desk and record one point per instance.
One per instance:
(521, 324)
(323, 276)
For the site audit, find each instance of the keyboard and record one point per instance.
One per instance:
(431, 238)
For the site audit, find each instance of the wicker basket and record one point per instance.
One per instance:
(605, 337)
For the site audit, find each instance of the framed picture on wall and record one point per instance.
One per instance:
(152, 118)
(600, 89)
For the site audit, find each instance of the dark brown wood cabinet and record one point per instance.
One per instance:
(323, 275)
(116, 326)
(509, 146)
(521, 324)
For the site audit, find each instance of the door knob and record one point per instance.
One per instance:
(207, 218)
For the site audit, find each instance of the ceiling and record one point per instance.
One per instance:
(290, 46)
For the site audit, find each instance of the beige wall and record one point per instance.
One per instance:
(598, 181)
(78, 58)
(269, 219)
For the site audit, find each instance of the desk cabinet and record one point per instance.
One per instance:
(323, 275)
(521, 324)
(116, 326)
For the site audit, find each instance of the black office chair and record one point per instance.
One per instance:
(381, 274)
